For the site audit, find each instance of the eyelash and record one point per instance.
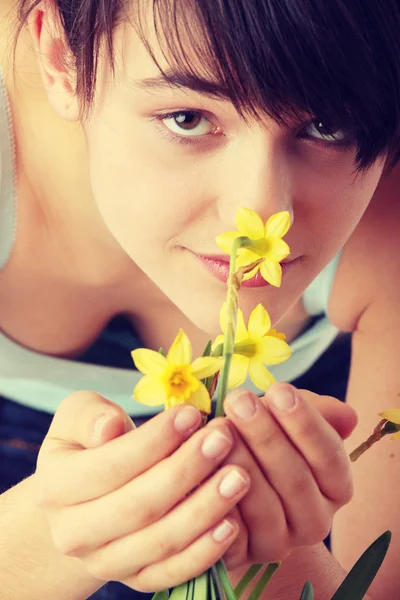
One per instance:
(167, 133)
(345, 144)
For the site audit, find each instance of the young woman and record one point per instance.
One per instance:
(130, 133)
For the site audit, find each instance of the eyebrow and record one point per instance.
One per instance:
(185, 81)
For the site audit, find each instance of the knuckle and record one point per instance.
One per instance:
(141, 582)
(45, 492)
(138, 510)
(271, 436)
(65, 543)
(334, 460)
(346, 491)
(300, 482)
(98, 569)
(314, 533)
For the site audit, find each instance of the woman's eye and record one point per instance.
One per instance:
(188, 123)
(325, 132)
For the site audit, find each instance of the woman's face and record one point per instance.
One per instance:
(170, 167)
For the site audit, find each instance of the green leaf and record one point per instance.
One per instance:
(264, 580)
(200, 588)
(180, 592)
(224, 579)
(212, 593)
(219, 588)
(190, 590)
(308, 592)
(207, 349)
(164, 595)
(246, 580)
(161, 351)
(357, 582)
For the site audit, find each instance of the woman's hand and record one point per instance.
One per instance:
(142, 506)
(290, 443)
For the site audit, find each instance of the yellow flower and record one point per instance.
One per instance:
(174, 379)
(267, 243)
(255, 347)
(393, 416)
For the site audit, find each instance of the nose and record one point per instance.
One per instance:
(258, 175)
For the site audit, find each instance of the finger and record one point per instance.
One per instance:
(84, 420)
(283, 466)
(317, 441)
(190, 563)
(237, 553)
(341, 416)
(171, 535)
(94, 472)
(145, 499)
(261, 509)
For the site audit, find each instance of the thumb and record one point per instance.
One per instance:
(339, 415)
(86, 419)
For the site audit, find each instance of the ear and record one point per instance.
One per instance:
(55, 60)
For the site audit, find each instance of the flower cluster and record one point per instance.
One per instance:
(174, 379)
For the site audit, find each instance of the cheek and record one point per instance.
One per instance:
(330, 203)
(143, 201)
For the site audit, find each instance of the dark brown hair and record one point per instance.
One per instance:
(336, 60)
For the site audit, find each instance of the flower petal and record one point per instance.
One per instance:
(277, 225)
(180, 352)
(201, 399)
(272, 351)
(277, 251)
(149, 362)
(251, 273)
(249, 223)
(396, 436)
(277, 334)
(260, 376)
(259, 322)
(241, 331)
(392, 415)
(150, 391)
(225, 240)
(238, 371)
(206, 366)
(272, 272)
(246, 257)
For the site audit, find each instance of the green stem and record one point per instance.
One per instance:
(264, 580)
(246, 580)
(217, 582)
(224, 579)
(229, 339)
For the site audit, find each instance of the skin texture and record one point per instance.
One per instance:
(113, 230)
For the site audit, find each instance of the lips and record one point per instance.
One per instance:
(219, 267)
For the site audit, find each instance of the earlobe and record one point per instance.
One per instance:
(54, 58)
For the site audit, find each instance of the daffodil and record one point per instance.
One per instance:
(393, 416)
(255, 346)
(174, 379)
(266, 242)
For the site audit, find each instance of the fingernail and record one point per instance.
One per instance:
(100, 424)
(223, 531)
(232, 484)
(283, 398)
(187, 419)
(215, 444)
(244, 406)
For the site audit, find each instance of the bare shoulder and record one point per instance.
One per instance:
(369, 268)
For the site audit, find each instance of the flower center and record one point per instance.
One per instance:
(246, 348)
(181, 382)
